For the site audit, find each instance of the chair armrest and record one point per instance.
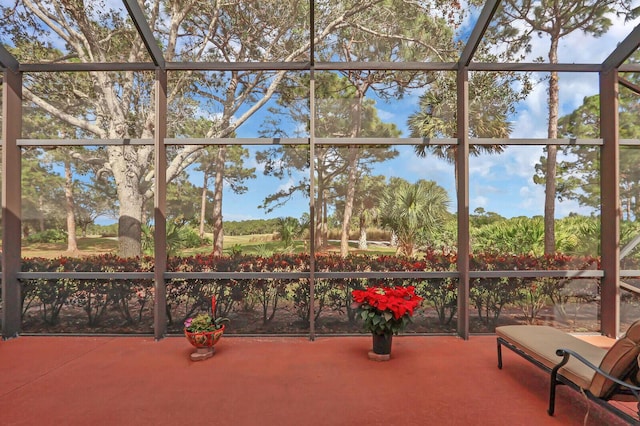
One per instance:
(567, 353)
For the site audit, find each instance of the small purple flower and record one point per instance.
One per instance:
(187, 323)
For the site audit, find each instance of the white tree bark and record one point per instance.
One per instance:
(116, 99)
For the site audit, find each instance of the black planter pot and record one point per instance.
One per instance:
(382, 344)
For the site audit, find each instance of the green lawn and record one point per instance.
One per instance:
(246, 244)
(88, 246)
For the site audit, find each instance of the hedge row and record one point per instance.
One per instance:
(132, 300)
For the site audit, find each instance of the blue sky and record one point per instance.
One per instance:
(502, 184)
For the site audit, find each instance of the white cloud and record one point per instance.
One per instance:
(430, 167)
(240, 217)
(578, 47)
(483, 166)
(252, 163)
(574, 88)
(520, 161)
(479, 201)
(387, 116)
(492, 189)
(581, 48)
(285, 186)
(532, 115)
(516, 162)
(571, 206)
(526, 191)
(531, 200)
(531, 119)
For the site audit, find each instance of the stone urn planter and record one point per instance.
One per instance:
(203, 331)
(204, 342)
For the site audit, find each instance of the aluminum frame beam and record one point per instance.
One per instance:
(608, 70)
(623, 51)
(610, 206)
(160, 207)
(320, 66)
(88, 67)
(462, 178)
(629, 85)
(488, 11)
(142, 25)
(11, 204)
(7, 60)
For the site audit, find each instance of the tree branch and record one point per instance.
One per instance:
(74, 121)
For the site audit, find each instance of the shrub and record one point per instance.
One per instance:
(48, 236)
(442, 293)
(267, 297)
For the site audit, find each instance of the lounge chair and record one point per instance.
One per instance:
(601, 374)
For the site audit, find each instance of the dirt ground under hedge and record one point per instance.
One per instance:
(575, 317)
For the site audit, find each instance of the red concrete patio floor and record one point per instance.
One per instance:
(276, 381)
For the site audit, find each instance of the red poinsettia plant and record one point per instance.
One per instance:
(386, 310)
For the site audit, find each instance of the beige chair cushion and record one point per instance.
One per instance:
(541, 342)
(618, 361)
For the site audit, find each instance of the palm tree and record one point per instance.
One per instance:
(491, 101)
(288, 228)
(410, 211)
(488, 110)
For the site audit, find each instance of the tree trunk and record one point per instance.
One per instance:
(218, 231)
(203, 203)
(319, 209)
(41, 213)
(549, 201)
(126, 173)
(349, 198)
(362, 240)
(352, 167)
(72, 243)
(405, 248)
(324, 234)
(393, 241)
(129, 225)
(552, 152)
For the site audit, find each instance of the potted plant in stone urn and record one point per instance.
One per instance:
(203, 331)
(385, 311)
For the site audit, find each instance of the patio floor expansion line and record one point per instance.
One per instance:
(429, 380)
